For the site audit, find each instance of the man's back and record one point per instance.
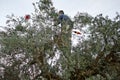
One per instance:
(63, 17)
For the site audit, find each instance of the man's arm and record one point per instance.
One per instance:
(58, 21)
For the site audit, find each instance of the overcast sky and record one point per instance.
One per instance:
(93, 7)
(70, 7)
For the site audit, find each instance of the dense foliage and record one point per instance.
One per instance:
(34, 49)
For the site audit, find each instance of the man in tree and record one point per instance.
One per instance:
(64, 20)
(65, 33)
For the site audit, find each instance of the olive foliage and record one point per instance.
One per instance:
(38, 50)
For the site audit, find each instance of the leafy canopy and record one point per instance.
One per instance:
(31, 50)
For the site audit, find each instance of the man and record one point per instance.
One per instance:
(65, 32)
(64, 20)
(63, 17)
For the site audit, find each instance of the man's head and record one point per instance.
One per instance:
(61, 12)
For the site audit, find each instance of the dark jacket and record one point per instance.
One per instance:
(63, 18)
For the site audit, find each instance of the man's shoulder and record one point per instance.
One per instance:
(62, 15)
(65, 16)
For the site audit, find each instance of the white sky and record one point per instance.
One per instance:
(70, 7)
(93, 7)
